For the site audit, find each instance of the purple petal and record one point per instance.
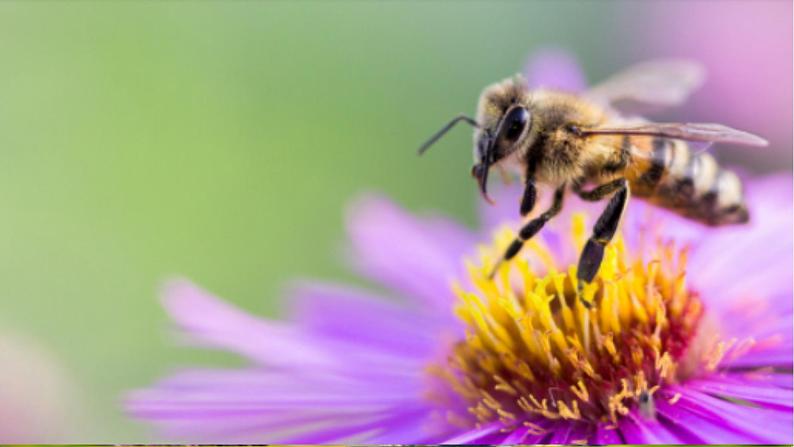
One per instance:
(637, 430)
(540, 437)
(413, 257)
(279, 389)
(691, 423)
(522, 435)
(476, 436)
(767, 353)
(717, 420)
(762, 358)
(750, 390)
(759, 253)
(768, 322)
(224, 405)
(398, 426)
(761, 378)
(517, 436)
(565, 432)
(555, 69)
(349, 314)
(768, 249)
(320, 375)
(211, 322)
(299, 428)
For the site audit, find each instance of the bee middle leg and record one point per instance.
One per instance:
(604, 229)
(600, 191)
(531, 228)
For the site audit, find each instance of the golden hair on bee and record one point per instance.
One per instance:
(580, 143)
(550, 140)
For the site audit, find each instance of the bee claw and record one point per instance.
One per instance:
(579, 289)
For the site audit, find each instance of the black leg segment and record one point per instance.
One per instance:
(531, 228)
(528, 199)
(599, 192)
(603, 231)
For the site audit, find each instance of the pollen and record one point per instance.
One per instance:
(532, 351)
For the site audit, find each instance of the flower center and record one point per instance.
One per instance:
(533, 352)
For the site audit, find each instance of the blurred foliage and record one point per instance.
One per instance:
(222, 142)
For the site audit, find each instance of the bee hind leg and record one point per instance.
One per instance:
(603, 231)
(531, 229)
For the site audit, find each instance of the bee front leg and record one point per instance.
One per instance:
(531, 228)
(603, 231)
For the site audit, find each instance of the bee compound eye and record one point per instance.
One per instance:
(515, 122)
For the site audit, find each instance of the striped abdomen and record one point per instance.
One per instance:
(687, 182)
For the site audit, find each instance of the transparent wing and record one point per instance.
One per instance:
(703, 132)
(664, 82)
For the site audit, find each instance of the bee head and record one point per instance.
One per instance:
(503, 121)
(492, 146)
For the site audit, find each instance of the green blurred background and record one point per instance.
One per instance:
(222, 141)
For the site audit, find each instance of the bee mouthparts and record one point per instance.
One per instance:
(480, 172)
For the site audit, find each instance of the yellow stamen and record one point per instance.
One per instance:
(533, 350)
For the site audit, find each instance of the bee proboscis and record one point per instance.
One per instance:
(581, 143)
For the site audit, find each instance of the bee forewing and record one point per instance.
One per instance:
(664, 82)
(705, 132)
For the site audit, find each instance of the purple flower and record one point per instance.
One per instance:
(690, 340)
(555, 69)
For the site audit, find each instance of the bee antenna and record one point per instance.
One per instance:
(446, 129)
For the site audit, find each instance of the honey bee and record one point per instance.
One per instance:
(581, 143)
